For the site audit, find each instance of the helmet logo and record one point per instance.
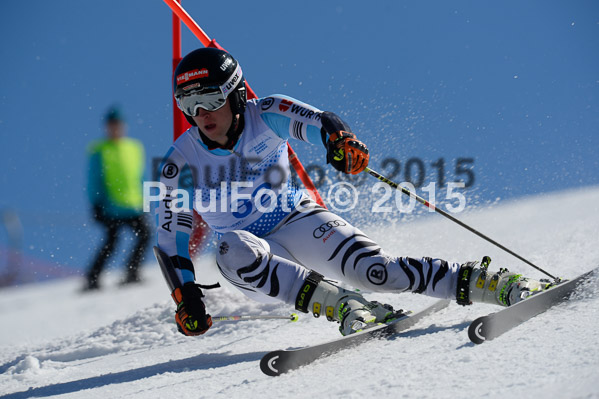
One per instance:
(232, 81)
(190, 75)
(226, 64)
(192, 86)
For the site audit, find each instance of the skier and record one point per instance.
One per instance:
(271, 236)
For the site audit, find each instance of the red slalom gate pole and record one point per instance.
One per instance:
(188, 21)
(180, 12)
(180, 124)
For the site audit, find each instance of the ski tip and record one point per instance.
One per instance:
(476, 331)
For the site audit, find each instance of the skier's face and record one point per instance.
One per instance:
(215, 124)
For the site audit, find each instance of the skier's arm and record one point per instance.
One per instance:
(174, 217)
(175, 223)
(290, 118)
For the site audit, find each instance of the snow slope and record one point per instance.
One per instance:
(55, 342)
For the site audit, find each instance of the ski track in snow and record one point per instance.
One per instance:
(56, 342)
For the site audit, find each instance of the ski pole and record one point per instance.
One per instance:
(453, 219)
(292, 317)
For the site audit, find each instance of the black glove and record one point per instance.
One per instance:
(345, 152)
(191, 314)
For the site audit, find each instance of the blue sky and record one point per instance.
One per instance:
(512, 85)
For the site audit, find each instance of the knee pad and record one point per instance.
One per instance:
(237, 249)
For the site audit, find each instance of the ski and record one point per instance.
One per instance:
(488, 327)
(281, 361)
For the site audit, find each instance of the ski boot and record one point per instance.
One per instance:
(477, 284)
(350, 309)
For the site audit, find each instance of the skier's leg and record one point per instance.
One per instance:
(257, 268)
(249, 263)
(327, 243)
(330, 245)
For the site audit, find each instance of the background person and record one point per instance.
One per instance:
(115, 183)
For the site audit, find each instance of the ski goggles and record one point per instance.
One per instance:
(209, 98)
